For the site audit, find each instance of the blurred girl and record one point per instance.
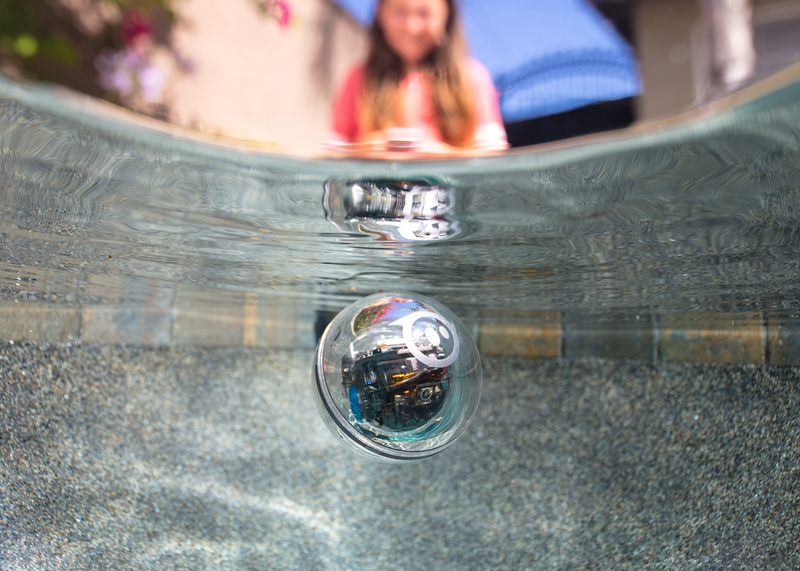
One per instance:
(418, 91)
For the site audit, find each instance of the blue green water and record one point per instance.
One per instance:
(700, 217)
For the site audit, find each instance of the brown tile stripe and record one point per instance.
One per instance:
(713, 338)
(520, 339)
(39, 322)
(251, 321)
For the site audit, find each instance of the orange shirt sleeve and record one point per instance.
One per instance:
(345, 106)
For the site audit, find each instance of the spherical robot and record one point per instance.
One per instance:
(398, 376)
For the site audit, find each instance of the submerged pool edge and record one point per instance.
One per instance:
(253, 320)
(698, 337)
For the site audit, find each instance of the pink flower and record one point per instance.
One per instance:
(278, 9)
(134, 25)
(281, 12)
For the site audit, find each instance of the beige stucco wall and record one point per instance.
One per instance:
(256, 80)
(666, 38)
(672, 39)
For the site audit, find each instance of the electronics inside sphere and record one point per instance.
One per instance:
(387, 387)
(398, 376)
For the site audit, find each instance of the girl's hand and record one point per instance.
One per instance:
(405, 143)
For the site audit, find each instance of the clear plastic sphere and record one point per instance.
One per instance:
(398, 376)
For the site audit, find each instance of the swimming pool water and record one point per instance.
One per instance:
(702, 217)
(167, 458)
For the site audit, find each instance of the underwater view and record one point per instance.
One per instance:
(162, 294)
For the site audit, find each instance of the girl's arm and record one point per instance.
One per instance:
(490, 135)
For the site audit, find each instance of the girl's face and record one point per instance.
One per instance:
(413, 28)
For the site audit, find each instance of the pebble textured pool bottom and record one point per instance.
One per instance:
(142, 458)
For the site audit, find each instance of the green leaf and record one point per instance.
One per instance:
(26, 45)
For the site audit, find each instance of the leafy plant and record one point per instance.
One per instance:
(59, 41)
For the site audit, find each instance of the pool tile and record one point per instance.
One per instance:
(278, 322)
(538, 336)
(624, 338)
(712, 338)
(208, 317)
(784, 342)
(134, 325)
(38, 322)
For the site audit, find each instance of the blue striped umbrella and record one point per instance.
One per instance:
(545, 56)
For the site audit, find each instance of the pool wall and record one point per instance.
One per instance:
(250, 320)
(56, 288)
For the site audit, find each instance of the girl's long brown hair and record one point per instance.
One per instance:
(445, 70)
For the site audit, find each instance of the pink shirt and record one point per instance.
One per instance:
(418, 111)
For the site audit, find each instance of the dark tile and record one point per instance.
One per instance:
(140, 325)
(784, 342)
(625, 338)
